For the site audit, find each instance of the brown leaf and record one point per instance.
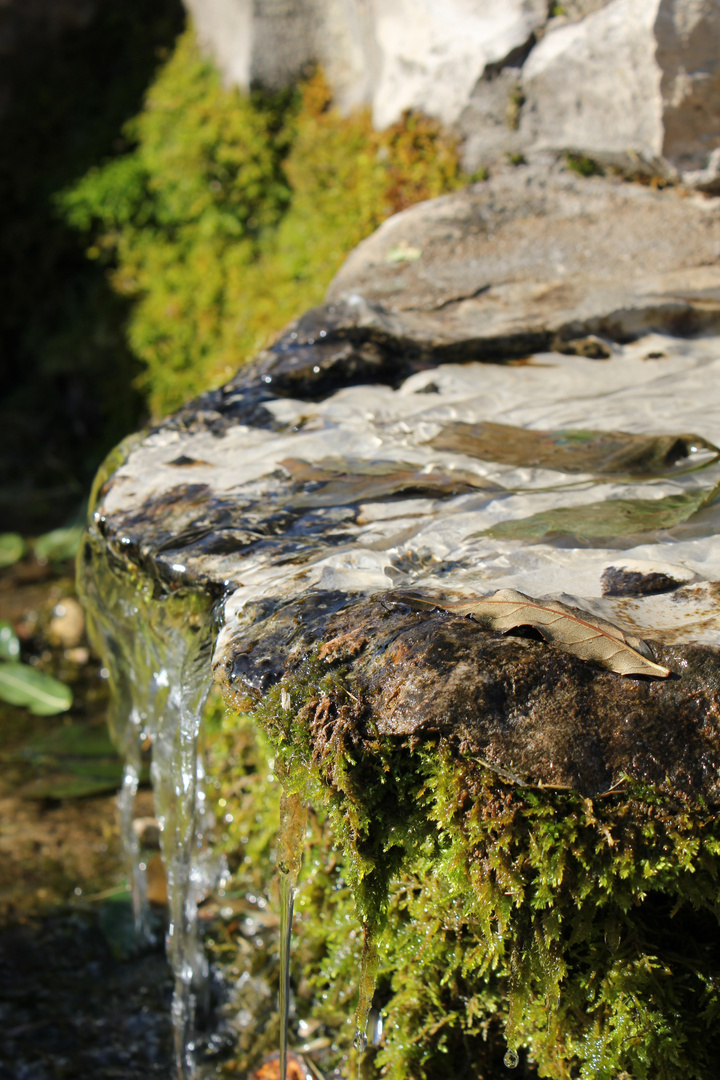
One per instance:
(575, 631)
(604, 453)
(339, 482)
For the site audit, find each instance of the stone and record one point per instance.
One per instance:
(631, 80)
(314, 491)
(538, 255)
(592, 86)
(632, 84)
(67, 625)
(432, 57)
(304, 531)
(394, 55)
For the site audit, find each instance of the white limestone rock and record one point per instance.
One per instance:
(392, 54)
(634, 83)
(636, 79)
(432, 55)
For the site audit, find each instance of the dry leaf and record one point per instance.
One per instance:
(571, 629)
(604, 453)
(339, 482)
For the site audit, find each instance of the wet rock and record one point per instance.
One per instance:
(529, 712)
(356, 487)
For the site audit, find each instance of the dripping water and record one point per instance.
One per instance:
(366, 990)
(293, 820)
(157, 649)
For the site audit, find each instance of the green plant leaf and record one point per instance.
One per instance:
(9, 642)
(604, 453)
(59, 545)
(12, 549)
(73, 761)
(43, 695)
(74, 783)
(71, 740)
(614, 517)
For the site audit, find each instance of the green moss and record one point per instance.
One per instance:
(582, 165)
(232, 213)
(583, 932)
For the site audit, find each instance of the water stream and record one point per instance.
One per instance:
(157, 647)
(293, 820)
(353, 494)
(366, 988)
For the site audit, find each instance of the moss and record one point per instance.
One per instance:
(582, 165)
(231, 213)
(583, 932)
(516, 100)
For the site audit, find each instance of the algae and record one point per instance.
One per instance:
(605, 520)
(581, 933)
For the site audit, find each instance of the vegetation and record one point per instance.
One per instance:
(582, 165)
(581, 932)
(232, 213)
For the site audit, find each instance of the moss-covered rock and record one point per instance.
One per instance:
(581, 931)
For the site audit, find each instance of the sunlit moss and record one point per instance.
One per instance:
(584, 932)
(232, 213)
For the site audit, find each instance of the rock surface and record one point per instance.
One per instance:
(532, 256)
(633, 83)
(633, 78)
(370, 455)
(394, 54)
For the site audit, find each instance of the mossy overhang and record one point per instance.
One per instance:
(531, 712)
(184, 511)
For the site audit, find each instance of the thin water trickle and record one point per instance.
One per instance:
(293, 820)
(366, 988)
(157, 648)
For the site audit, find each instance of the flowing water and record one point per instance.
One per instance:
(293, 820)
(157, 648)
(368, 979)
(368, 488)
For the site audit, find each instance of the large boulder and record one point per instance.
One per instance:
(451, 542)
(309, 496)
(637, 77)
(632, 83)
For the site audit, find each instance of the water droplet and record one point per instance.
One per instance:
(360, 1041)
(511, 1059)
